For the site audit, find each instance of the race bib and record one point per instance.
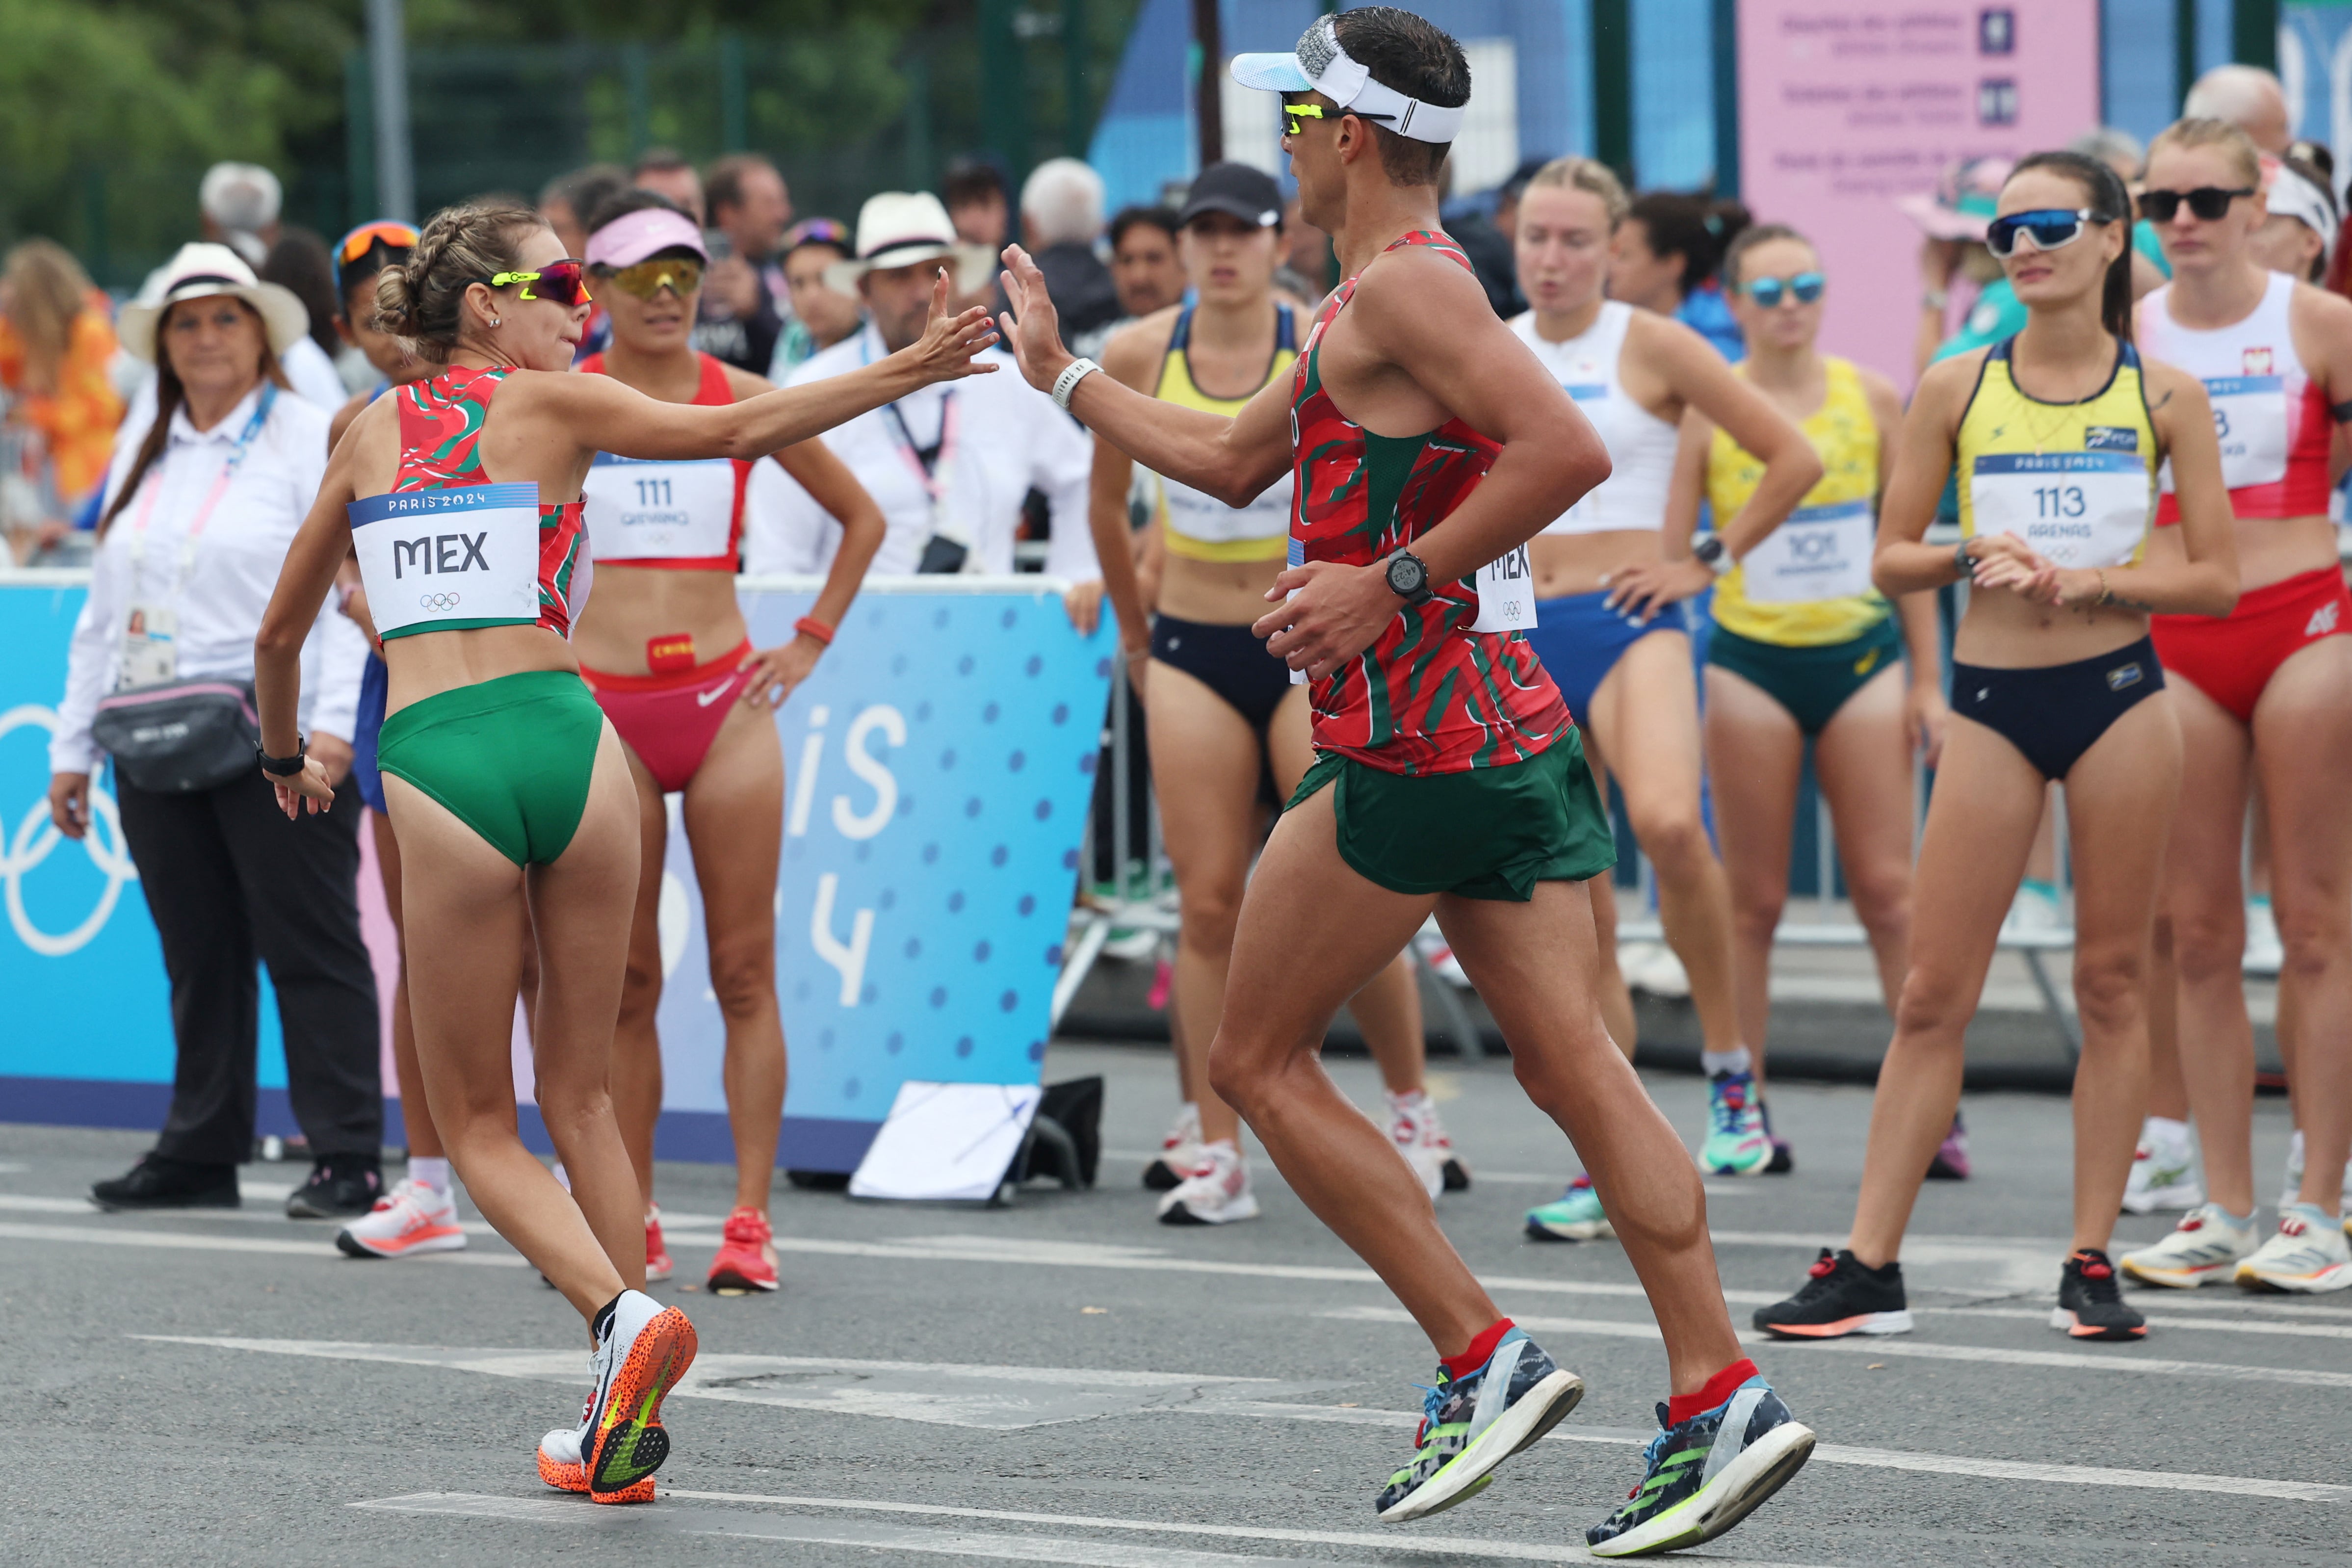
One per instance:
(2077, 508)
(659, 511)
(1819, 552)
(1211, 522)
(149, 652)
(1294, 557)
(1507, 594)
(2250, 418)
(449, 559)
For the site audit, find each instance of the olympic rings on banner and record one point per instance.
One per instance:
(436, 601)
(37, 835)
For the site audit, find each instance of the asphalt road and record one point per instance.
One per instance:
(934, 1385)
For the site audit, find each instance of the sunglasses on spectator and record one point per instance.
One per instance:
(2049, 227)
(1769, 292)
(647, 278)
(366, 237)
(2207, 202)
(565, 283)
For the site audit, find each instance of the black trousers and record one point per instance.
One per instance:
(230, 882)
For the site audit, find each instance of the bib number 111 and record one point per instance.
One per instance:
(653, 492)
(2058, 502)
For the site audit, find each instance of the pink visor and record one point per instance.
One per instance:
(631, 238)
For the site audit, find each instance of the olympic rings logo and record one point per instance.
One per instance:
(37, 835)
(436, 601)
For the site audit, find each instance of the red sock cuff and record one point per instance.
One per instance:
(1481, 1348)
(1720, 1387)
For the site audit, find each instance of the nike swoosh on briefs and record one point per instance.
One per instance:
(704, 698)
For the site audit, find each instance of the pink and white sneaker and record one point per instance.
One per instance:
(1216, 1193)
(1420, 1137)
(411, 1218)
(658, 1266)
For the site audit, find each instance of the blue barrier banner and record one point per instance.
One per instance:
(939, 767)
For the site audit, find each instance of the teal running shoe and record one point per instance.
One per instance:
(1471, 1424)
(1576, 1216)
(1707, 1475)
(1737, 1143)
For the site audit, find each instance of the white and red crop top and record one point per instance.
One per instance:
(2273, 420)
(683, 515)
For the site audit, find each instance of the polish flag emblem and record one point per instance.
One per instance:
(2258, 361)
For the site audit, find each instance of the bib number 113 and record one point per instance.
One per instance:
(2058, 502)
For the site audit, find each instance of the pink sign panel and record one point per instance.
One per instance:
(1847, 105)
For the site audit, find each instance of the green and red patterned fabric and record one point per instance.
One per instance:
(441, 421)
(1430, 696)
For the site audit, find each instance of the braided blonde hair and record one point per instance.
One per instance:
(422, 301)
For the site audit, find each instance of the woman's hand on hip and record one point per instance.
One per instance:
(776, 671)
(70, 803)
(1647, 588)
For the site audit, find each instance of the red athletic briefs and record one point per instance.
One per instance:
(671, 719)
(2232, 659)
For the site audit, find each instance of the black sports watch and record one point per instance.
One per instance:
(285, 768)
(1409, 578)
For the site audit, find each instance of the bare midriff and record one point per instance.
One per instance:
(1216, 593)
(1568, 564)
(430, 663)
(629, 606)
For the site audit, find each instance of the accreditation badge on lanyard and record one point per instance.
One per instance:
(147, 649)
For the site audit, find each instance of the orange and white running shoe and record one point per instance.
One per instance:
(411, 1218)
(613, 1454)
(746, 1260)
(658, 1266)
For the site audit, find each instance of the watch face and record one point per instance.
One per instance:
(1407, 574)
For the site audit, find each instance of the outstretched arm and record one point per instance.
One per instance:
(601, 414)
(1233, 459)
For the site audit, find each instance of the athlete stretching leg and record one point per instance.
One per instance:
(1429, 444)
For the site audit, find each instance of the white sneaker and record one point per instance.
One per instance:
(1179, 1152)
(2309, 1254)
(1431, 945)
(2032, 909)
(1654, 968)
(411, 1218)
(1216, 1193)
(2265, 952)
(1420, 1137)
(2164, 1171)
(2205, 1247)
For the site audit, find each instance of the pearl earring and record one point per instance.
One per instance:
(497, 321)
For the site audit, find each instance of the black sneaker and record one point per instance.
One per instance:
(1707, 1475)
(2091, 1302)
(158, 1182)
(341, 1187)
(1844, 1297)
(1784, 1158)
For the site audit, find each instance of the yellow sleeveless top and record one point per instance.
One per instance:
(1808, 585)
(1199, 527)
(2075, 481)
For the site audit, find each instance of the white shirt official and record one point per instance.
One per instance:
(1008, 437)
(231, 579)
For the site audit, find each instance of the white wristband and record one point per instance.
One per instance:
(1077, 370)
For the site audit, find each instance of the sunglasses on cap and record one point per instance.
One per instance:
(2048, 227)
(1769, 292)
(355, 245)
(564, 281)
(647, 278)
(2207, 202)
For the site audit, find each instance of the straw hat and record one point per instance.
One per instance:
(896, 228)
(198, 272)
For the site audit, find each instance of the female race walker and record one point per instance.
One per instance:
(1802, 647)
(1606, 627)
(1221, 711)
(2266, 694)
(667, 654)
(509, 793)
(2057, 434)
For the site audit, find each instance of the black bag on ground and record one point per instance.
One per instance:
(176, 737)
(1065, 1138)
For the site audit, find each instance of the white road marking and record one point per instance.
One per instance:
(2024, 1314)
(324, 1248)
(1479, 1173)
(1884, 1345)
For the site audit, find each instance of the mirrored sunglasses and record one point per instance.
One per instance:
(1768, 292)
(2049, 227)
(647, 278)
(564, 281)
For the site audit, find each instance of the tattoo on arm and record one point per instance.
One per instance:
(2160, 402)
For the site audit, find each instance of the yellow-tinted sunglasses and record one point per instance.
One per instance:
(1294, 115)
(647, 278)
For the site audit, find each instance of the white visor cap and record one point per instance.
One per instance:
(1320, 65)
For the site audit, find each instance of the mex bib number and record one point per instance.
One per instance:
(1819, 552)
(658, 510)
(2250, 418)
(2077, 509)
(435, 559)
(1507, 594)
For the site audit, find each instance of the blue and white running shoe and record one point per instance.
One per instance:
(1576, 1216)
(1471, 1424)
(1737, 1143)
(1706, 1474)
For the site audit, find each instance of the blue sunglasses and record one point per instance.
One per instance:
(1768, 292)
(2048, 227)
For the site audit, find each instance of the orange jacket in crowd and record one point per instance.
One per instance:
(77, 420)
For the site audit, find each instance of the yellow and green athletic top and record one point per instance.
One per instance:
(2075, 481)
(1199, 527)
(1808, 584)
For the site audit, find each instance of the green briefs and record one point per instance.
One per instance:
(1485, 833)
(1811, 683)
(510, 758)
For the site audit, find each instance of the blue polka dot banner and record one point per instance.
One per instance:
(938, 769)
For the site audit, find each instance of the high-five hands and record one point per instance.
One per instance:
(945, 350)
(1033, 329)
